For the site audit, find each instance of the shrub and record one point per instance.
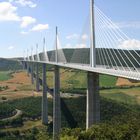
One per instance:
(4, 98)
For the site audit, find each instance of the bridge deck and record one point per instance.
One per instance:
(134, 75)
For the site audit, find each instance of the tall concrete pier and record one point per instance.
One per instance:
(32, 73)
(44, 97)
(37, 77)
(93, 99)
(56, 105)
(28, 68)
(24, 65)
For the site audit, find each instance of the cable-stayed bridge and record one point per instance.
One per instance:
(112, 52)
(103, 49)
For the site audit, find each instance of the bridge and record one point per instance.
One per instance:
(105, 53)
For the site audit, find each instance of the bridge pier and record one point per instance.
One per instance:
(32, 73)
(24, 65)
(37, 77)
(56, 105)
(44, 97)
(93, 99)
(28, 68)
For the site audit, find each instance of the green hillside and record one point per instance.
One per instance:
(119, 108)
(119, 121)
(82, 55)
(5, 75)
(9, 64)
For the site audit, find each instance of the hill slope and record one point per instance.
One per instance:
(9, 64)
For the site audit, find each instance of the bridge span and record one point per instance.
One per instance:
(114, 60)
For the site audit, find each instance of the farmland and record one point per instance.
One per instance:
(116, 102)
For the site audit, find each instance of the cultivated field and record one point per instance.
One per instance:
(20, 95)
(19, 86)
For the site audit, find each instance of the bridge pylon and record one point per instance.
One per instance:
(93, 99)
(56, 49)
(92, 36)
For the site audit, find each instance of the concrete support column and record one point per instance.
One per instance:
(44, 97)
(28, 68)
(25, 65)
(32, 73)
(56, 105)
(93, 99)
(37, 77)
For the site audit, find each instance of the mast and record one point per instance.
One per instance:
(92, 40)
(56, 51)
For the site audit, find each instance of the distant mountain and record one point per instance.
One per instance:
(107, 56)
(81, 55)
(9, 64)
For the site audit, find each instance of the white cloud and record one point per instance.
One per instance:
(80, 46)
(76, 36)
(130, 44)
(73, 36)
(11, 47)
(40, 27)
(26, 21)
(75, 46)
(68, 46)
(84, 37)
(24, 33)
(8, 12)
(25, 3)
(131, 24)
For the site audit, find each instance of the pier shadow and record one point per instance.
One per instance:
(64, 108)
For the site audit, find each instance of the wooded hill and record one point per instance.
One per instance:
(110, 56)
(9, 64)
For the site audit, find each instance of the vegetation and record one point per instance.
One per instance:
(9, 64)
(119, 112)
(3, 88)
(124, 95)
(107, 81)
(4, 98)
(129, 130)
(6, 110)
(12, 123)
(31, 106)
(119, 121)
(73, 79)
(5, 75)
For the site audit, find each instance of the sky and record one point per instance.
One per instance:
(24, 23)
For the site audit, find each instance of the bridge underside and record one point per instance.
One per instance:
(134, 75)
(93, 98)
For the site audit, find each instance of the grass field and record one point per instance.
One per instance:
(120, 97)
(77, 79)
(122, 100)
(128, 96)
(4, 76)
(107, 81)
(70, 79)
